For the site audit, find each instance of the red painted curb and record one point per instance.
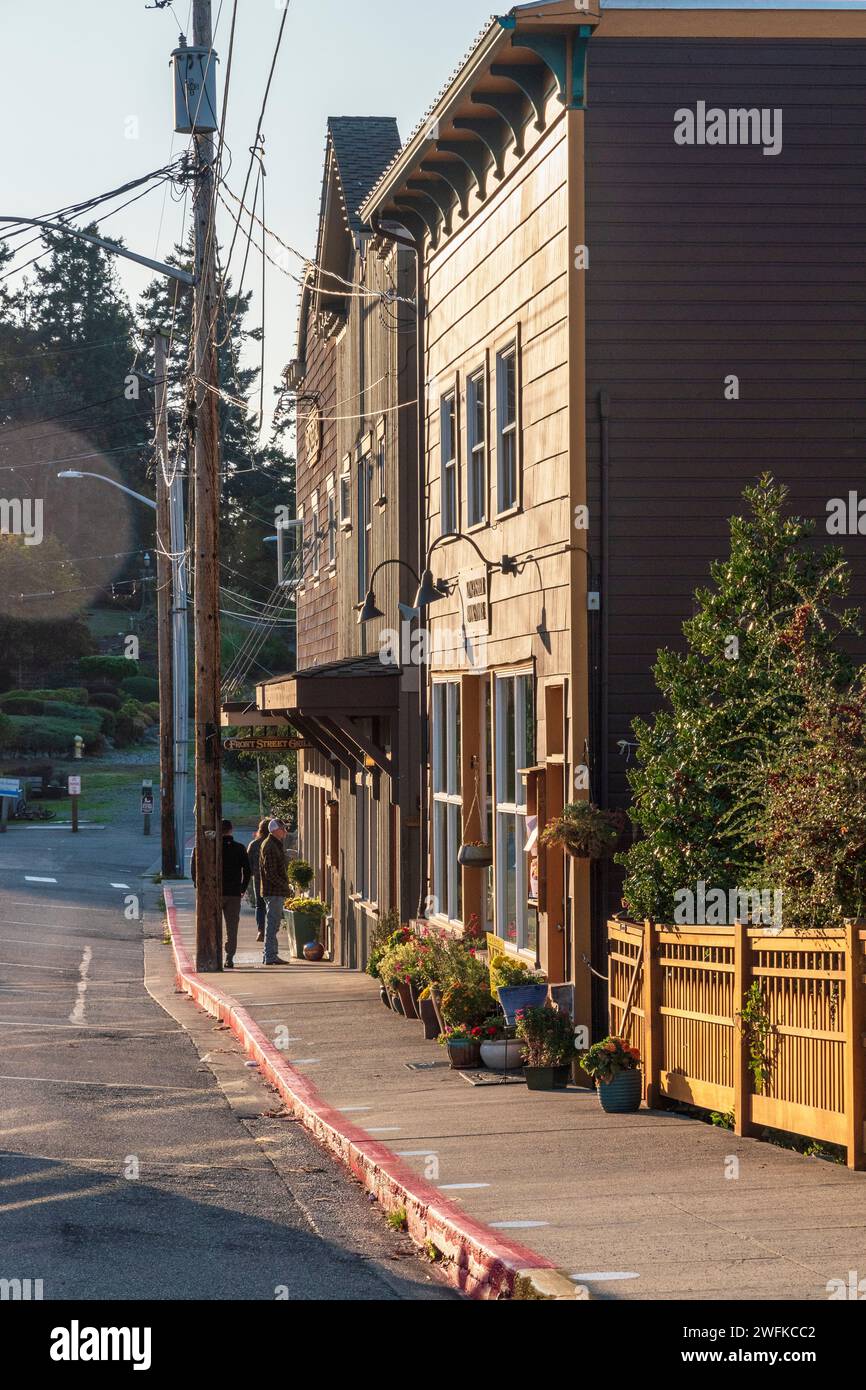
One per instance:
(475, 1257)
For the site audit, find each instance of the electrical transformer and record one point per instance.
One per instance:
(194, 89)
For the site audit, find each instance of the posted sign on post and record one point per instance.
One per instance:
(10, 792)
(74, 790)
(147, 804)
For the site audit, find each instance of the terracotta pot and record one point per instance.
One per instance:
(407, 999)
(429, 1018)
(465, 1053)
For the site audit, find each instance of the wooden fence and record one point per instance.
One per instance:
(795, 1062)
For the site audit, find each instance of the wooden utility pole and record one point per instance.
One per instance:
(206, 472)
(164, 601)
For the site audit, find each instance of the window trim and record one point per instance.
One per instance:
(345, 505)
(446, 769)
(452, 394)
(511, 811)
(479, 373)
(332, 528)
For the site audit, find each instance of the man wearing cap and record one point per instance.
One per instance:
(236, 879)
(274, 881)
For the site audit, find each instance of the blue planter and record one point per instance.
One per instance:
(621, 1095)
(514, 997)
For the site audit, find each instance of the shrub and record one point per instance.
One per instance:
(300, 873)
(402, 962)
(117, 668)
(548, 1034)
(130, 723)
(22, 703)
(467, 1001)
(106, 699)
(51, 735)
(144, 688)
(386, 935)
(108, 723)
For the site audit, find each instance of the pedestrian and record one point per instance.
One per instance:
(253, 851)
(236, 879)
(274, 880)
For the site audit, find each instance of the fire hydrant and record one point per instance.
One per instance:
(79, 746)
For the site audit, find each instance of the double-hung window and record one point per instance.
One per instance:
(332, 529)
(315, 538)
(515, 749)
(507, 495)
(448, 452)
(365, 523)
(447, 800)
(366, 843)
(476, 449)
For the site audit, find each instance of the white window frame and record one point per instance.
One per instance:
(449, 510)
(511, 813)
(315, 537)
(447, 795)
(476, 448)
(365, 522)
(346, 495)
(381, 465)
(332, 528)
(507, 429)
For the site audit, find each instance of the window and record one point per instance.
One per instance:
(332, 529)
(365, 523)
(515, 749)
(448, 452)
(346, 500)
(381, 497)
(447, 800)
(506, 427)
(315, 537)
(366, 843)
(476, 448)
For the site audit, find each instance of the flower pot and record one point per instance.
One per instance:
(436, 1000)
(313, 950)
(427, 1014)
(384, 996)
(547, 1078)
(621, 1095)
(514, 997)
(396, 1003)
(407, 998)
(502, 1054)
(475, 856)
(462, 1053)
(302, 927)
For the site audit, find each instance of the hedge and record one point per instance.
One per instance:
(115, 667)
(69, 694)
(142, 688)
(47, 735)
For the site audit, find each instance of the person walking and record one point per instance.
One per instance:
(274, 880)
(236, 879)
(253, 851)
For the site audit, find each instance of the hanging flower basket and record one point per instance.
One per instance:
(584, 831)
(475, 855)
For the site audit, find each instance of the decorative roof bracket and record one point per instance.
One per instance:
(553, 50)
(440, 197)
(472, 155)
(531, 81)
(457, 176)
(405, 201)
(492, 133)
(511, 108)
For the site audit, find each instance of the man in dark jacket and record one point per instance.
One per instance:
(236, 879)
(274, 884)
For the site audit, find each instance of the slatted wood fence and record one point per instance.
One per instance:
(678, 995)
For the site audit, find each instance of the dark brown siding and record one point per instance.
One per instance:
(317, 600)
(705, 262)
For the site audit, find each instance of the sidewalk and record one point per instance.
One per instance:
(506, 1181)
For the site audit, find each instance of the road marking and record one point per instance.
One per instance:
(385, 1129)
(31, 878)
(120, 885)
(603, 1277)
(416, 1153)
(303, 1061)
(517, 1225)
(460, 1186)
(77, 1015)
(65, 825)
(19, 965)
(108, 1085)
(353, 1109)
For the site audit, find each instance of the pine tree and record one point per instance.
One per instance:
(701, 782)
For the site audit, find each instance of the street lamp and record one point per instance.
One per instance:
(179, 643)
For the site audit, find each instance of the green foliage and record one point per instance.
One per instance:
(758, 1031)
(117, 668)
(604, 1060)
(506, 972)
(72, 695)
(309, 907)
(548, 1034)
(300, 873)
(584, 830)
(397, 1219)
(105, 699)
(48, 735)
(386, 934)
(700, 783)
(143, 688)
(467, 999)
(722, 1120)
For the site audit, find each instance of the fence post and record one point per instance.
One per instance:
(855, 1069)
(652, 1020)
(742, 1075)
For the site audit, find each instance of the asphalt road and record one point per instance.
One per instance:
(127, 1169)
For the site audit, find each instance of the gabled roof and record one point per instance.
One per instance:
(363, 147)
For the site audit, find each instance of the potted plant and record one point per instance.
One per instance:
(500, 1049)
(300, 873)
(466, 1001)
(306, 916)
(614, 1066)
(464, 1045)
(475, 854)
(386, 934)
(516, 986)
(428, 1013)
(401, 970)
(584, 830)
(548, 1037)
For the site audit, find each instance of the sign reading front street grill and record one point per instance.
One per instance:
(265, 745)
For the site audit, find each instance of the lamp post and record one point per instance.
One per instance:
(177, 773)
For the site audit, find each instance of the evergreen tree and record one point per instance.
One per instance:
(703, 761)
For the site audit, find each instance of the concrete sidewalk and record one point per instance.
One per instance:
(645, 1206)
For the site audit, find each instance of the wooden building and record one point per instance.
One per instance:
(354, 380)
(624, 321)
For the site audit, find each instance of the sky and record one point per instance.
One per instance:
(86, 104)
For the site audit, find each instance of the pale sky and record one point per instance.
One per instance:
(86, 104)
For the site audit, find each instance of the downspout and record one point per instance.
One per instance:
(410, 244)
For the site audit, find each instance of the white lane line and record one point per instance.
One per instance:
(108, 1085)
(384, 1129)
(31, 878)
(460, 1186)
(604, 1276)
(77, 1015)
(18, 965)
(517, 1225)
(353, 1109)
(416, 1153)
(303, 1061)
(65, 825)
(120, 885)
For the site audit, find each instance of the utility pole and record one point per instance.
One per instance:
(206, 472)
(165, 599)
